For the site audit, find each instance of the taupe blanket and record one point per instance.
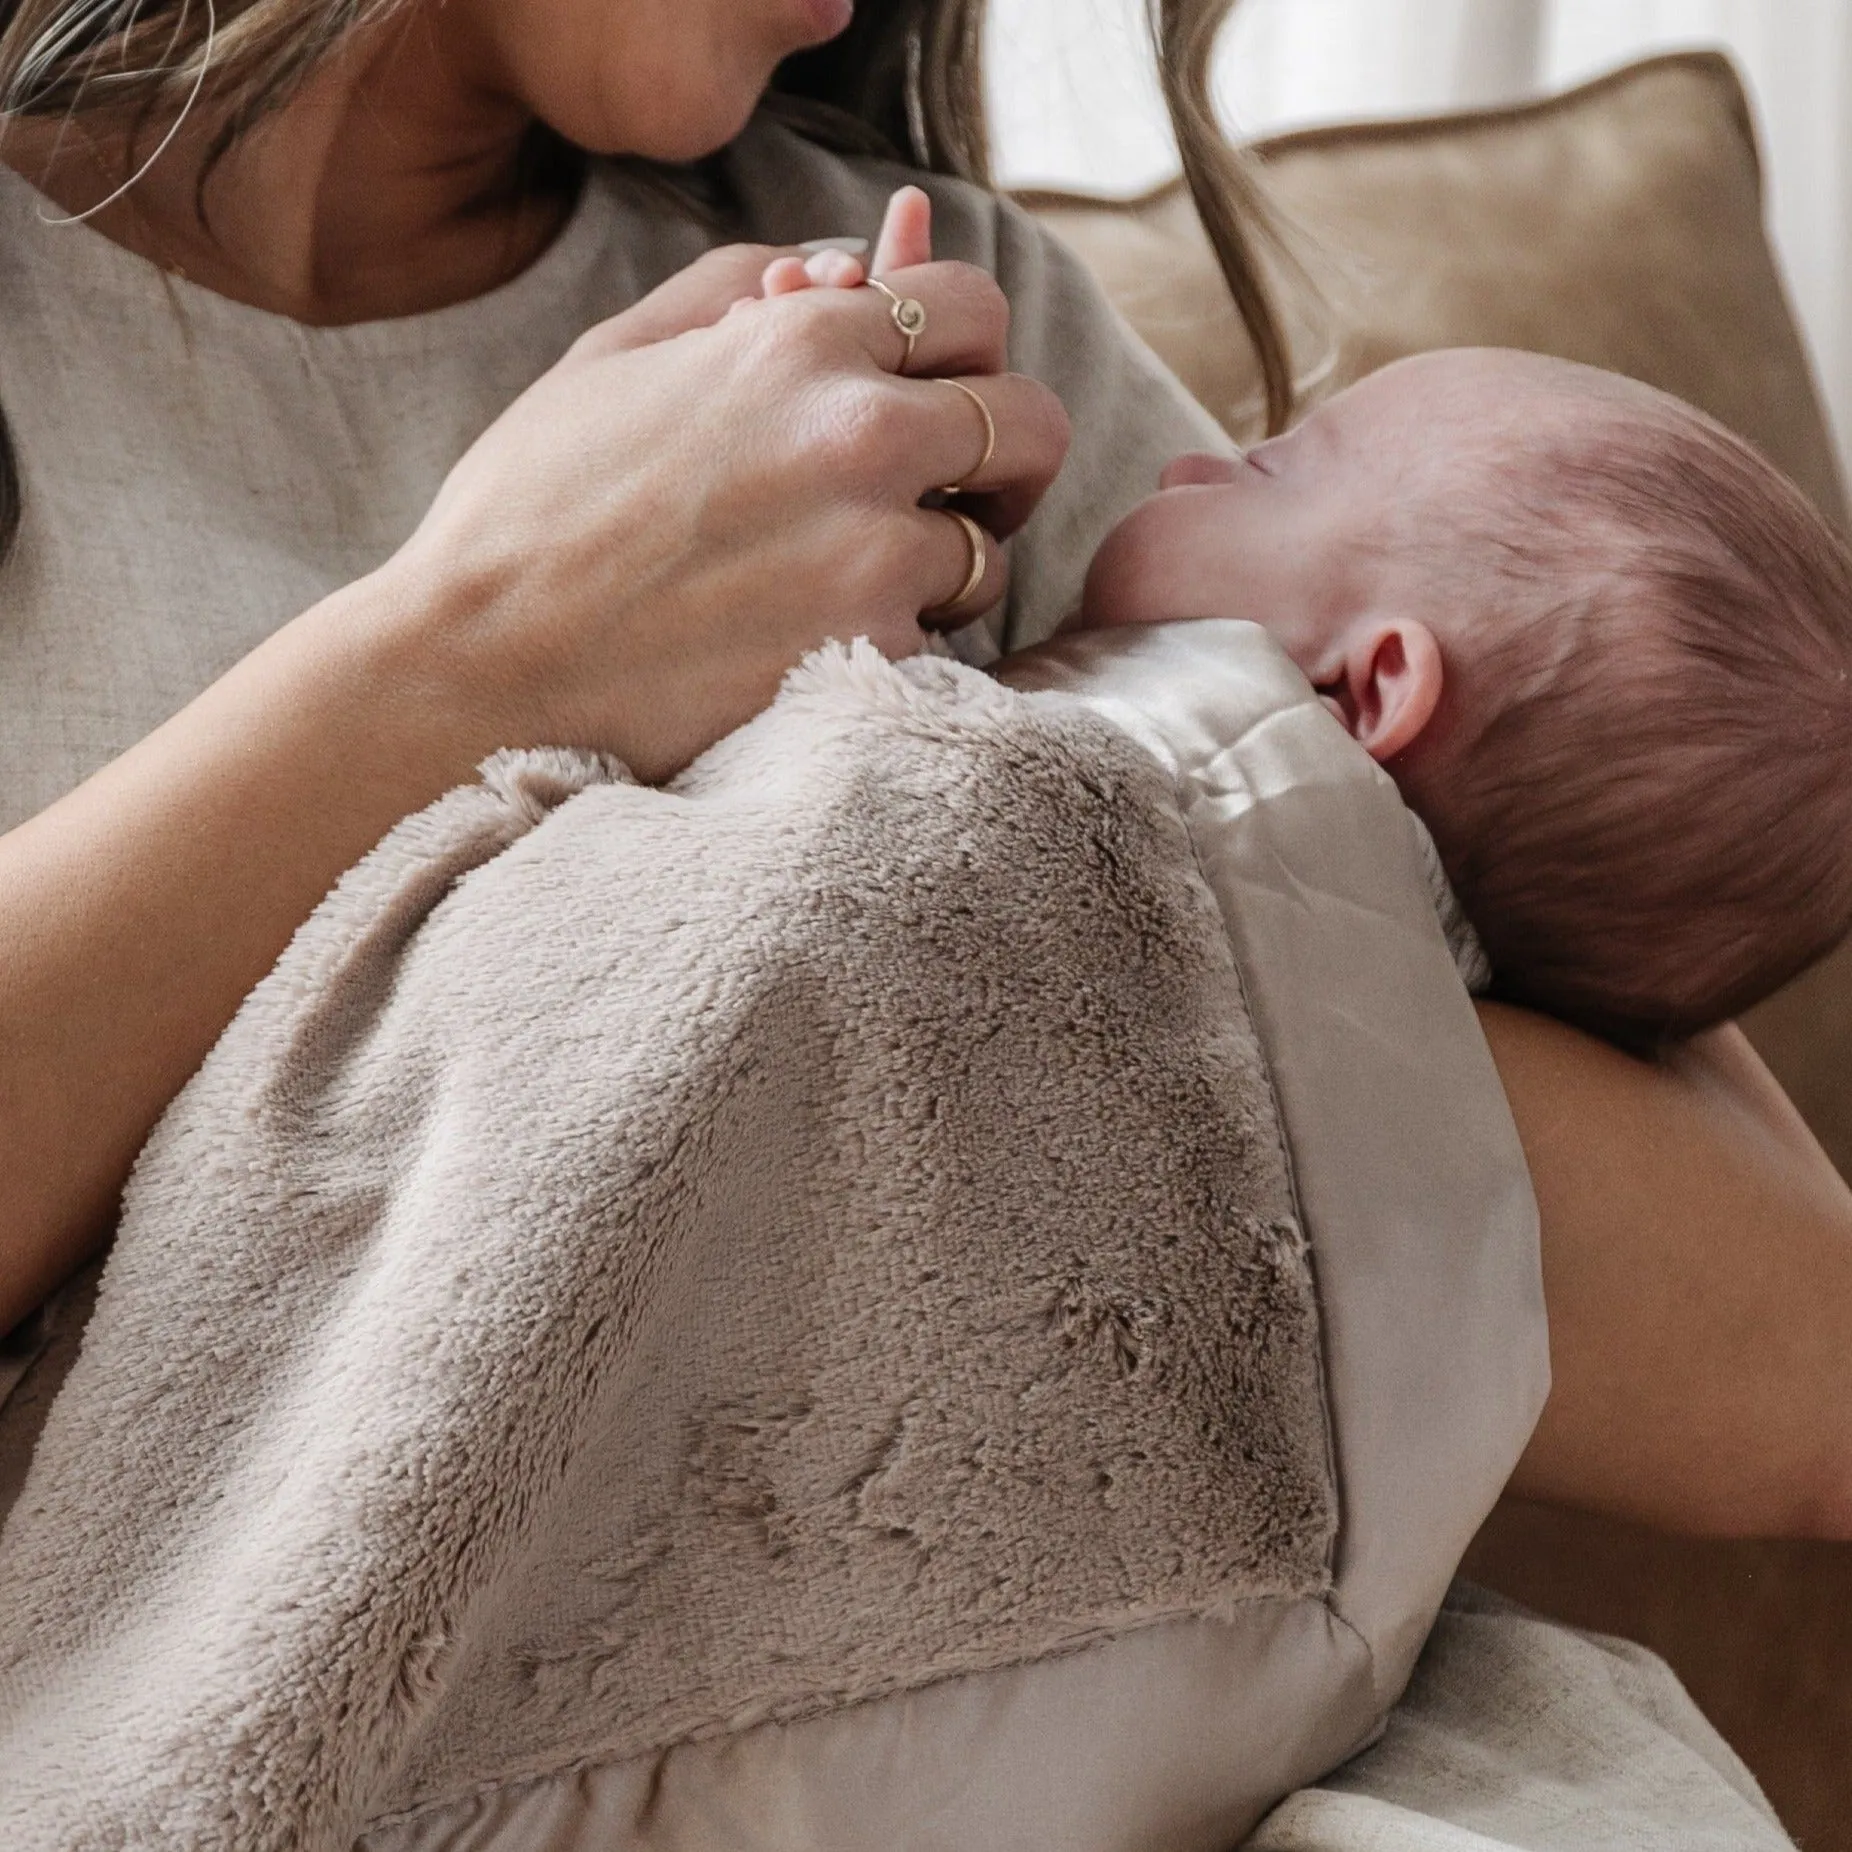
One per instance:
(648, 1261)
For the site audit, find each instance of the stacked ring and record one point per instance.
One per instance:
(979, 544)
(990, 434)
(907, 314)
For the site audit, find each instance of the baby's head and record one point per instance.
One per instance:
(1602, 646)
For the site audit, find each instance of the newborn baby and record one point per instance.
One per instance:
(1601, 645)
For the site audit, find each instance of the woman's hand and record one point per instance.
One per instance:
(633, 555)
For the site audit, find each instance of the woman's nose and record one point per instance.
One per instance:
(1196, 468)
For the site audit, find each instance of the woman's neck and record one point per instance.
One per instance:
(386, 186)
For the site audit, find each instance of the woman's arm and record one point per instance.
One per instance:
(137, 911)
(1697, 1264)
(629, 560)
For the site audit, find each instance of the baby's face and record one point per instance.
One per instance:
(1334, 522)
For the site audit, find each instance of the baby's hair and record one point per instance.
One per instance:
(1653, 828)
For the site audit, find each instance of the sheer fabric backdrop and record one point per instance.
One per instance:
(1075, 104)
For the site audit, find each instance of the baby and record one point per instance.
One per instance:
(1603, 647)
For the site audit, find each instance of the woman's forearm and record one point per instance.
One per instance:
(1697, 1259)
(136, 912)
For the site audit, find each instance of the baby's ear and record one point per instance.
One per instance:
(1390, 685)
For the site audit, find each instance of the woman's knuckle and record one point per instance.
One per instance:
(766, 348)
(814, 442)
(778, 355)
(897, 576)
(815, 316)
(886, 559)
(862, 425)
(980, 300)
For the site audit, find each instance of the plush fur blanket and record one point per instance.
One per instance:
(652, 1260)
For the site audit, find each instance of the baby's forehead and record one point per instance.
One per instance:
(1488, 420)
(1523, 435)
(1488, 382)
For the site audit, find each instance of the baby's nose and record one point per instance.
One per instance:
(1196, 468)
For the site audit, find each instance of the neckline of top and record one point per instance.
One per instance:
(105, 263)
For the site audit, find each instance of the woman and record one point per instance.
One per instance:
(248, 400)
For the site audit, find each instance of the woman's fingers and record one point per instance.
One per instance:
(996, 441)
(696, 297)
(961, 323)
(964, 321)
(965, 568)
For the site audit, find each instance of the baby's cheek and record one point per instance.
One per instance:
(1110, 595)
(1148, 570)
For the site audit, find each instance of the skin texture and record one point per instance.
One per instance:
(1697, 1263)
(137, 912)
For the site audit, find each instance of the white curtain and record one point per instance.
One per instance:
(1074, 102)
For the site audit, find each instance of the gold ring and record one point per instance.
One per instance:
(990, 434)
(979, 544)
(906, 314)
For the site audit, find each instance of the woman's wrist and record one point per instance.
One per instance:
(406, 652)
(469, 659)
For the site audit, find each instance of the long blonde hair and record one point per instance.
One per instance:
(907, 76)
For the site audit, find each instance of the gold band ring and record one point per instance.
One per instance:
(906, 314)
(979, 543)
(990, 434)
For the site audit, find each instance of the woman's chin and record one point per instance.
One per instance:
(673, 136)
(661, 112)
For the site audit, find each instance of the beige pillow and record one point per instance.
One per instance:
(1619, 224)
